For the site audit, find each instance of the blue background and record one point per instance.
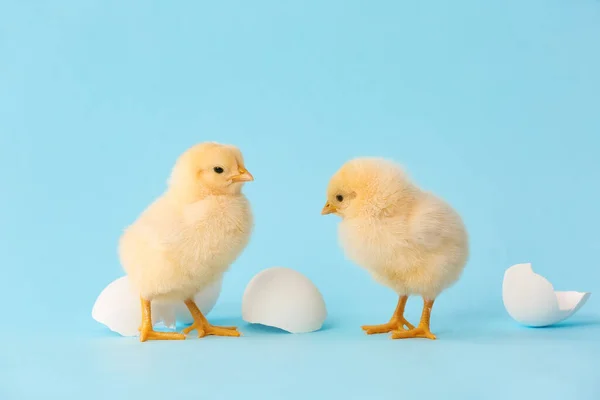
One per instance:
(493, 105)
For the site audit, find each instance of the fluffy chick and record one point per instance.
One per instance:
(408, 239)
(188, 237)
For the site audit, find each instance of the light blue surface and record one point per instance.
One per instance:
(493, 105)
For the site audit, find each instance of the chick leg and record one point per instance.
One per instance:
(204, 327)
(397, 322)
(146, 331)
(421, 331)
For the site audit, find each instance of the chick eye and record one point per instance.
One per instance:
(339, 198)
(218, 170)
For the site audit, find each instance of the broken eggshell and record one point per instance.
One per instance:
(530, 298)
(284, 298)
(118, 307)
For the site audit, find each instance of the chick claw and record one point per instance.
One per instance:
(418, 332)
(393, 325)
(208, 330)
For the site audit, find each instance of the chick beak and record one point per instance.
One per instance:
(328, 209)
(244, 176)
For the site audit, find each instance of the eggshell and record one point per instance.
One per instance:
(531, 300)
(118, 307)
(284, 298)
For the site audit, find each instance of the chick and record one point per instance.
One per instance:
(408, 239)
(187, 238)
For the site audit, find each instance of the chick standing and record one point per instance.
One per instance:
(408, 239)
(187, 238)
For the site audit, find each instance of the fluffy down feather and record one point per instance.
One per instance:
(188, 237)
(408, 239)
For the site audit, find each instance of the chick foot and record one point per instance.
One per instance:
(396, 323)
(418, 332)
(146, 331)
(203, 327)
(421, 331)
(208, 330)
(393, 325)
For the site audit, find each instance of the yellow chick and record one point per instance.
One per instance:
(189, 236)
(408, 239)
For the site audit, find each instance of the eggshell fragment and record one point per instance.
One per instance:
(531, 300)
(284, 298)
(118, 307)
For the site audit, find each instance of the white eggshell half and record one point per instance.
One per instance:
(284, 298)
(118, 307)
(531, 300)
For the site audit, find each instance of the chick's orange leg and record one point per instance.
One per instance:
(146, 331)
(421, 331)
(202, 325)
(397, 322)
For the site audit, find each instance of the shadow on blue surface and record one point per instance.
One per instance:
(266, 329)
(573, 324)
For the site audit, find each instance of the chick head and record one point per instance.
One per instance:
(209, 169)
(366, 186)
